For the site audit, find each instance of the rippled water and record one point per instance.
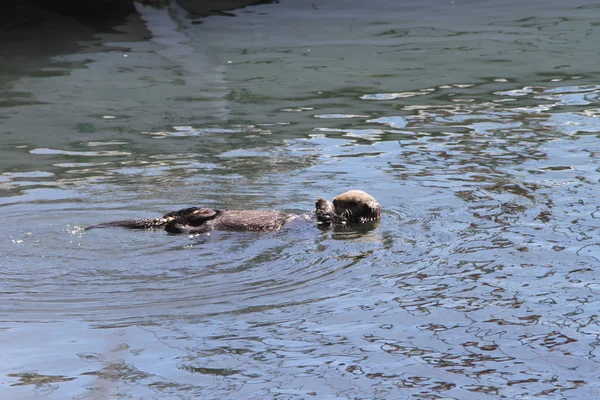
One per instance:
(473, 123)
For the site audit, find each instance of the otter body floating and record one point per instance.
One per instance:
(352, 207)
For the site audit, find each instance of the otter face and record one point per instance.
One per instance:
(324, 211)
(356, 206)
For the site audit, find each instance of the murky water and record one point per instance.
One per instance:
(473, 123)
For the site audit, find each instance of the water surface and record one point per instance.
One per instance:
(473, 123)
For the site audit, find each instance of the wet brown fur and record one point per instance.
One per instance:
(352, 207)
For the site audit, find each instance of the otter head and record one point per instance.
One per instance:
(356, 206)
(324, 211)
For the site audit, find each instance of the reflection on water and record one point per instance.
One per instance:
(474, 127)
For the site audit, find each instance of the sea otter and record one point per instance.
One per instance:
(352, 207)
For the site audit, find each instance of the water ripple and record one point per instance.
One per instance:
(480, 143)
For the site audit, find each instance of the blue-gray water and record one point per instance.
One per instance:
(474, 123)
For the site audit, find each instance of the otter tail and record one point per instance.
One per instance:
(188, 216)
(147, 223)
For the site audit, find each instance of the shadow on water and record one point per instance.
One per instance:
(35, 32)
(474, 125)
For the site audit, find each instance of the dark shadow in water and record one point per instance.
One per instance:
(37, 30)
(100, 13)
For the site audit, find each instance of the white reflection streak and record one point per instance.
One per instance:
(171, 28)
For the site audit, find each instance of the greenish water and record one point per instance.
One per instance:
(474, 124)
